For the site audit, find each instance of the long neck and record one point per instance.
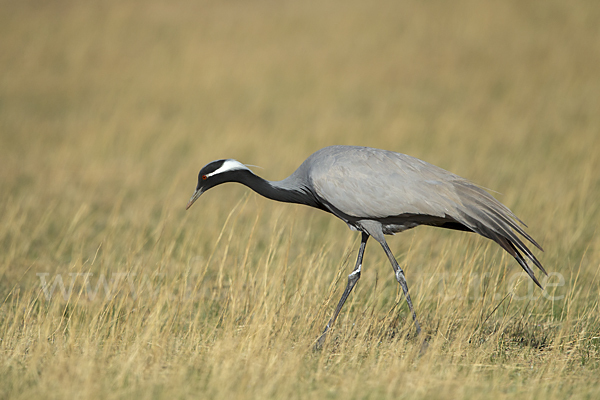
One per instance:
(289, 190)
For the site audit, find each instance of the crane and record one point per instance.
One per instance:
(379, 192)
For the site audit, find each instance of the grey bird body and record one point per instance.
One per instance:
(379, 192)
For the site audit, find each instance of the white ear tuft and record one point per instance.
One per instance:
(228, 165)
(255, 166)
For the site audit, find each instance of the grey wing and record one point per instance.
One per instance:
(371, 183)
(375, 184)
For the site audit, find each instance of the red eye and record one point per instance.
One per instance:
(204, 177)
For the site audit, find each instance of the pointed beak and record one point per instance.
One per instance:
(195, 196)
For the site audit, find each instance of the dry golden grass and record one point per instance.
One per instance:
(108, 110)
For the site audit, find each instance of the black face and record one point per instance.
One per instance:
(215, 173)
(206, 173)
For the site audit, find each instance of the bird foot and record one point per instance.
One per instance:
(320, 341)
(424, 345)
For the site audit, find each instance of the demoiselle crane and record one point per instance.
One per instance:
(377, 193)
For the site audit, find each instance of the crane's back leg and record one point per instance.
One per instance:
(401, 280)
(352, 279)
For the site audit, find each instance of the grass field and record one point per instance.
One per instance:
(109, 289)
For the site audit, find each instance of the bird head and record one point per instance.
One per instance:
(215, 173)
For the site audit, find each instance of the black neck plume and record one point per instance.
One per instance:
(288, 190)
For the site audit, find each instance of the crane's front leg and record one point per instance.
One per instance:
(352, 279)
(402, 281)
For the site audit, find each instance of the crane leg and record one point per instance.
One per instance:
(352, 279)
(402, 281)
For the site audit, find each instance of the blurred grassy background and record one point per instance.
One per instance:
(108, 110)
